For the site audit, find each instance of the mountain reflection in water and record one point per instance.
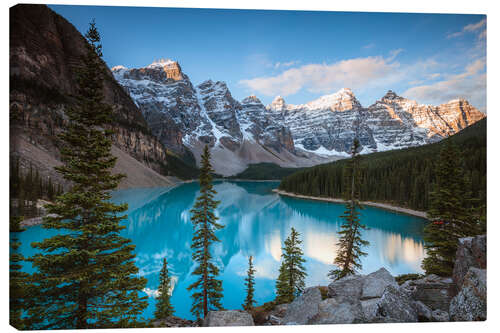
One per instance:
(256, 223)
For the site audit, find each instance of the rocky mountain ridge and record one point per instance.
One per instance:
(186, 117)
(329, 124)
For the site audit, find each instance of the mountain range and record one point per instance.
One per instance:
(185, 117)
(162, 120)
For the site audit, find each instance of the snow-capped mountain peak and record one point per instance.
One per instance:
(184, 117)
(342, 100)
(390, 96)
(162, 63)
(252, 99)
(278, 104)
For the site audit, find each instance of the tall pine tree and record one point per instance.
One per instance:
(207, 290)
(164, 307)
(18, 280)
(350, 241)
(86, 276)
(292, 274)
(250, 286)
(453, 213)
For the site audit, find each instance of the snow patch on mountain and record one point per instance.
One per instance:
(184, 117)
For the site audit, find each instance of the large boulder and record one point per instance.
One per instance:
(426, 314)
(338, 311)
(304, 307)
(375, 283)
(471, 252)
(470, 303)
(395, 306)
(228, 318)
(434, 291)
(349, 287)
(440, 315)
(423, 311)
(280, 310)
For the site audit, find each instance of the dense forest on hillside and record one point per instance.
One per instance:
(403, 177)
(265, 171)
(27, 189)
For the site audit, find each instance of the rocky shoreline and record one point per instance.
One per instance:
(366, 203)
(376, 298)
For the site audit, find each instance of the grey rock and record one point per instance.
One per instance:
(440, 315)
(280, 310)
(228, 318)
(370, 308)
(423, 311)
(409, 288)
(335, 311)
(173, 321)
(349, 287)
(470, 303)
(375, 283)
(304, 307)
(471, 252)
(396, 306)
(274, 320)
(434, 291)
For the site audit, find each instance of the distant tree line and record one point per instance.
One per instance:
(402, 177)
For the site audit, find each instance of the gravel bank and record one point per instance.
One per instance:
(366, 203)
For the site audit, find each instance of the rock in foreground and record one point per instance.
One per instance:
(228, 318)
(471, 252)
(173, 321)
(304, 307)
(470, 303)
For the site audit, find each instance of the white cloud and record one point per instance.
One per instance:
(369, 46)
(393, 54)
(286, 64)
(353, 73)
(473, 27)
(470, 84)
(433, 76)
(482, 35)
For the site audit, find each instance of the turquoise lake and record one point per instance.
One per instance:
(257, 221)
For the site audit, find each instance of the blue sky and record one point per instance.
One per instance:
(302, 55)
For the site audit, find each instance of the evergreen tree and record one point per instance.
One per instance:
(164, 308)
(292, 273)
(350, 241)
(452, 213)
(403, 177)
(86, 275)
(18, 280)
(250, 286)
(207, 290)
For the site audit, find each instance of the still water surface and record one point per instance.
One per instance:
(257, 221)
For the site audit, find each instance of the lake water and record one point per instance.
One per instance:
(257, 221)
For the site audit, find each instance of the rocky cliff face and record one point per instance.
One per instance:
(437, 121)
(329, 124)
(45, 49)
